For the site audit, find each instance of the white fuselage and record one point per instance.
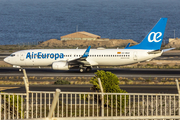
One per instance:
(46, 57)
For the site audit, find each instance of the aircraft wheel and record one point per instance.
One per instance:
(81, 65)
(81, 70)
(88, 69)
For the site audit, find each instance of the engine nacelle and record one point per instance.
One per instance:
(60, 66)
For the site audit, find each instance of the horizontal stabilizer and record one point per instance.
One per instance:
(155, 52)
(164, 50)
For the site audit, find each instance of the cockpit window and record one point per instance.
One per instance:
(12, 55)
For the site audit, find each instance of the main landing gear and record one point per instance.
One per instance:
(88, 69)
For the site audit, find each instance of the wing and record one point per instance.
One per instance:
(82, 59)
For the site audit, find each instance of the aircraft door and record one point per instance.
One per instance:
(22, 56)
(135, 55)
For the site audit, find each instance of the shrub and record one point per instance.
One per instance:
(62, 82)
(13, 103)
(110, 84)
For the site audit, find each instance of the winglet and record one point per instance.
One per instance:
(127, 45)
(85, 55)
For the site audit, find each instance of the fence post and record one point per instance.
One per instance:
(102, 98)
(25, 78)
(177, 84)
(55, 100)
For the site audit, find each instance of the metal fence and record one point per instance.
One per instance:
(88, 105)
(76, 104)
(106, 104)
(12, 106)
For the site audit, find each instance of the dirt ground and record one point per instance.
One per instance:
(54, 43)
(5, 88)
(3, 64)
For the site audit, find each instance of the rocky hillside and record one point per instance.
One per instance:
(174, 44)
(54, 43)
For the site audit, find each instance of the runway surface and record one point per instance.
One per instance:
(86, 88)
(75, 73)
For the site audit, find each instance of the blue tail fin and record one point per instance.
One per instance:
(154, 38)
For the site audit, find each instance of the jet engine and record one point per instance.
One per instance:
(60, 66)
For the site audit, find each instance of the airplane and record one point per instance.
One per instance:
(85, 59)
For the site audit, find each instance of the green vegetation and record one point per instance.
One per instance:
(13, 101)
(110, 84)
(62, 82)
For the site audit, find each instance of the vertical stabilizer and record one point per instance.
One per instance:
(154, 38)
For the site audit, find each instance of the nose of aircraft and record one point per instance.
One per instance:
(7, 60)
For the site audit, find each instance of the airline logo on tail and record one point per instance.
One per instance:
(155, 37)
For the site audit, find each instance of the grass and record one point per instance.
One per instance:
(17, 80)
(62, 82)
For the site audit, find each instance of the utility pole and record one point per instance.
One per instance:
(76, 28)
